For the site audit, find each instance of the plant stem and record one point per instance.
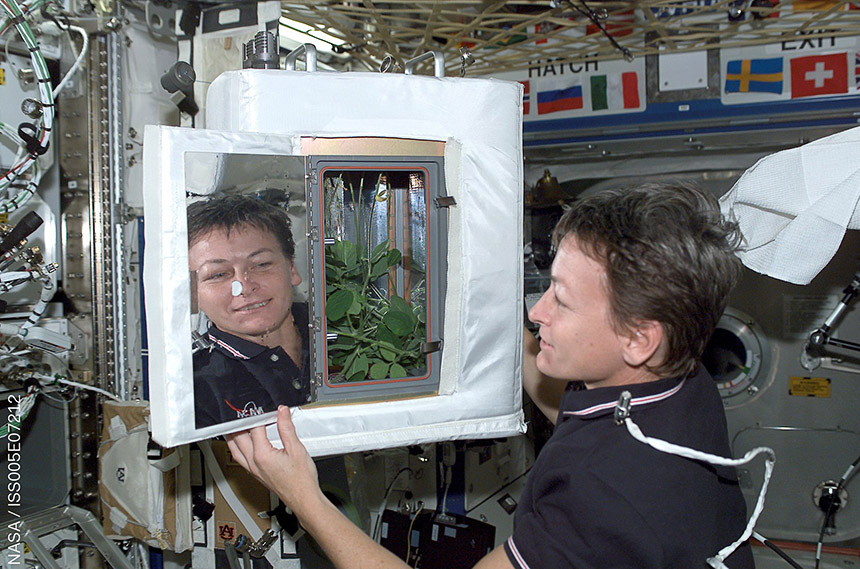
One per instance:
(374, 343)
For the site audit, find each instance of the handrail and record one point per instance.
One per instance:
(310, 52)
(438, 63)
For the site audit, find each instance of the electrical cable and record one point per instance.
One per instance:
(36, 136)
(778, 551)
(46, 393)
(26, 9)
(78, 60)
(448, 476)
(409, 532)
(55, 379)
(23, 229)
(831, 511)
(591, 15)
(378, 524)
(49, 287)
(25, 405)
(490, 496)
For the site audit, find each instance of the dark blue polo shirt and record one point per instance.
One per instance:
(598, 498)
(236, 378)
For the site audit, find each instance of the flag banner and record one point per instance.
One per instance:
(599, 99)
(857, 71)
(629, 90)
(543, 29)
(526, 97)
(816, 5)
(558, 90)
(815, 75)
(617, 25)
(754, 76)
(555, 99)
(794, 69)
(615, 91)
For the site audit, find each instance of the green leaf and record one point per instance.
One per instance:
(350, 254)
(358, 376)
(394, 256)
(379, 370)
(386, 336)
(379, 268)
(400, 323)
(359, 365)
(353, 272)
(387, 355)
(335, 252)
(397, 370)
(338, 303)
(343, 342)
(400, 305)
(379, 251)
(357, 305)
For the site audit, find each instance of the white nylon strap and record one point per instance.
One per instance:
(716, 561)
(233, 501)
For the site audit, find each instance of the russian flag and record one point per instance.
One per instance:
(561, 99)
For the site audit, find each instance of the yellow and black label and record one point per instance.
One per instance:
(809, 386)
(2, 75)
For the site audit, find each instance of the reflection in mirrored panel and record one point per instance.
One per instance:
(246, 218)
(383, 275)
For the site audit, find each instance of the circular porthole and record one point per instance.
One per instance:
(737, 356)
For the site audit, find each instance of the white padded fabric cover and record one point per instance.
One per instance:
(269, 111)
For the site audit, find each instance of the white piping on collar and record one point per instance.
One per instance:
(517, 555)
(635, 401)
(229, 348)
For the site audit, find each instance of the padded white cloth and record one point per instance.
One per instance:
(794, 206)
(269, 111)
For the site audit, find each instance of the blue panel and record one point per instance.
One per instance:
(694, 117)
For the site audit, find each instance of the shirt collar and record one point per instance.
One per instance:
(234, 346)
(239, 349)
(593, 403)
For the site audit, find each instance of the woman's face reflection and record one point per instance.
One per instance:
(254, 259)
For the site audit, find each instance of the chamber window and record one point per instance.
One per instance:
(380, 269)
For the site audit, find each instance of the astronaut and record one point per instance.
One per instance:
(241, 250)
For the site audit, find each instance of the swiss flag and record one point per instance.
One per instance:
(819, 75)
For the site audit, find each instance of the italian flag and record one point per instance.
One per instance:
(615, 91)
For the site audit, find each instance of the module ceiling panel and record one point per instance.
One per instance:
(504, 36)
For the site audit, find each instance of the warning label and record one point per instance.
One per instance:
(809, 386)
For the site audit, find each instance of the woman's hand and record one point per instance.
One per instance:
(289, 472)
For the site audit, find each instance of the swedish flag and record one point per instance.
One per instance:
(754, 76)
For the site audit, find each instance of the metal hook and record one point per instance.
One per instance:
(622, 408)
